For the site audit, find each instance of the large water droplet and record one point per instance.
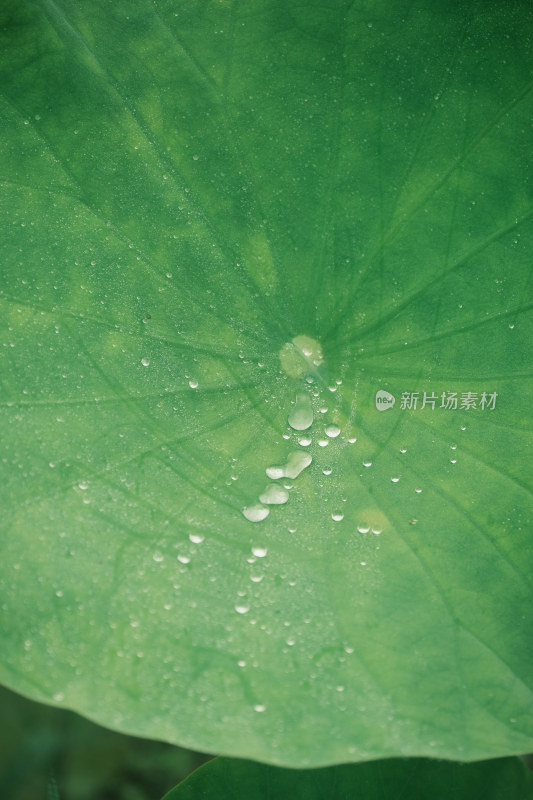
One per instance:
(301, 416)
(297, 461)
(274, 495)
(332, 431)
(256, 512)
(259, 552)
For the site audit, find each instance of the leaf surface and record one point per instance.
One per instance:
(395, 779)
(218, 219)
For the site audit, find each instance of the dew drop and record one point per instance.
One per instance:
(256, 513)
(327, 470)
(332, 431)
(242, 609)
(363, 528)
(259, 552)
(274, 495)
(337, 517)
(184, 559)
(395, 480)
(275, 472)
(145, 362)
(304, 441)
(193, 384)
(296, 463)
(367, 463)
(196, 538)
(259, 707)
(301, 416)
(157, 556)
(323, 442)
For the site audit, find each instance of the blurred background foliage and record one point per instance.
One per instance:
(53, 754)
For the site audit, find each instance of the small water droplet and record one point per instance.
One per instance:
(327, 470)
(157, 556)
(363, 563)
(196, 538)
(323, 442)
(259, 552)
(418, 491)
(242, 609)
(332, 431)
(59, 697)
(395, 480)
(193, 384)
(340, 688)
(259, 707)
(256, 513)
(184, 559)
(59, 593)
(145, 362)
(305, 441)
(83, 485)
(367, 463)
(301, 416)
(337, 517)
(363, 528)
(274, 495)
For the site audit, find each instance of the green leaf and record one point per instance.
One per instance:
(219, 217)
(413, 779)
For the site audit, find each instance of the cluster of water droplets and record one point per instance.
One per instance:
(300, 418)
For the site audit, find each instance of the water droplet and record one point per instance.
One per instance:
(296, 463)
(340, 688)
(363, 528)
(259, 707)
(418, 491)
(256, 578)
(59, 697)
(242, 609)
(274, 495)
(145, 362)
(275, 472)
(157, 556)
(332, 431)
(301, 416)
(184, 559)
(193, 384)
(367, 463)
(337, 517)
(363, 563)
(241, 663)
(305, 441)
(196, 538)
(259, 552)
(323, 442)
(59, 593)
(327, 470)
(256, 513)
(395, 480)
(83, 485)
